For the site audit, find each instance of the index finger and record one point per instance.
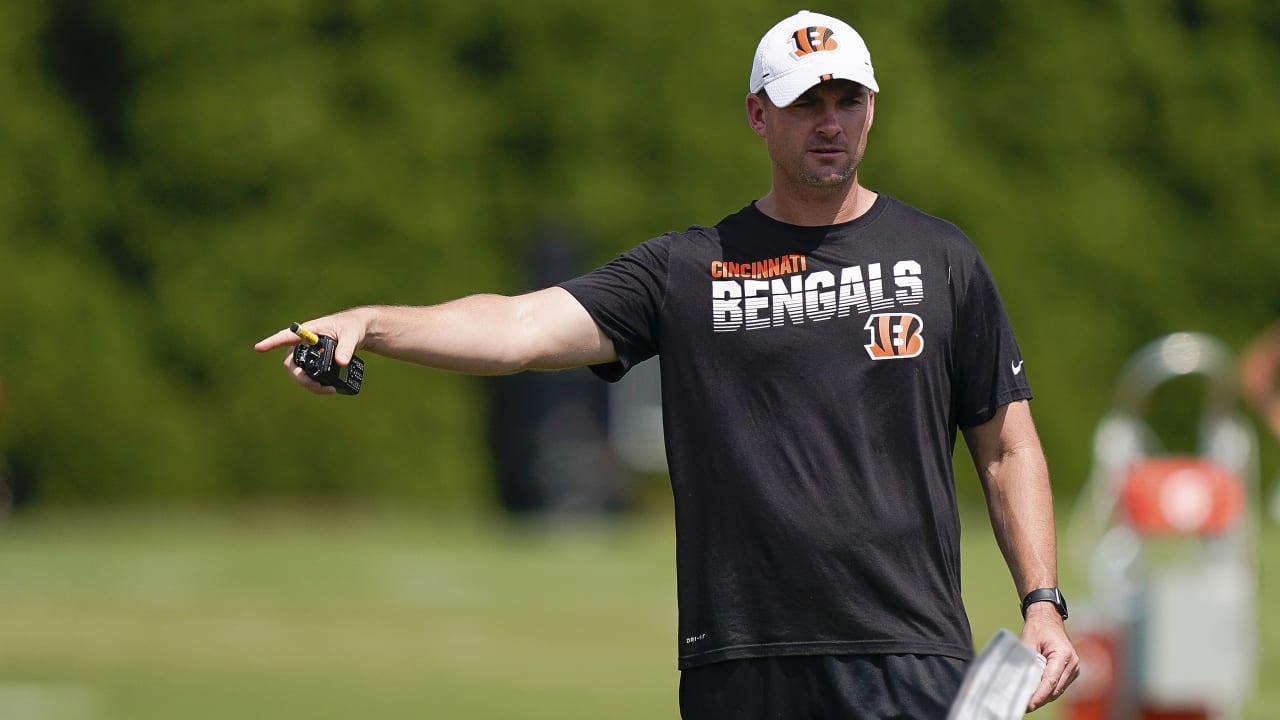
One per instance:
(1051, 685)
(280, 339)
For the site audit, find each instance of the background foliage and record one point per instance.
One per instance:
(181, 179)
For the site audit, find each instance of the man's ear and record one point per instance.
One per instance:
(755, 113)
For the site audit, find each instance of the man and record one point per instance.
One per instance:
(819, 350)
(1259, 373)
(1259, 369)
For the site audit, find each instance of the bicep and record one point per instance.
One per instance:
(559, 333)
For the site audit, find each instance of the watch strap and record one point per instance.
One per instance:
(1053, 595)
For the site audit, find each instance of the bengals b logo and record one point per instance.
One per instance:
(894, 336)
(813, 39)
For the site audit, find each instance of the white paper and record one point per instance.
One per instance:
(1000, 682)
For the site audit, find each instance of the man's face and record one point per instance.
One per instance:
(817, 141)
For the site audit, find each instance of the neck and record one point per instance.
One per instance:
(821, 207)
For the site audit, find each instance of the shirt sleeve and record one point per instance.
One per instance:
(989, 371)
(625, 299)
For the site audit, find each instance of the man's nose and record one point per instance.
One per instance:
(828, 120)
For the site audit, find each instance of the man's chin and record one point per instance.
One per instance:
(832, 176)
(828, 180)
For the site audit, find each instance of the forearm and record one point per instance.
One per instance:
(1020, 503)
(488, 334)
(1007, 454)
(472, 334)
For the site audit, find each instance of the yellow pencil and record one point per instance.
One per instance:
(309, 337)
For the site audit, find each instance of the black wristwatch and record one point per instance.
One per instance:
(1053, 595)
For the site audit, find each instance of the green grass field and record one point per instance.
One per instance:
(322, 614)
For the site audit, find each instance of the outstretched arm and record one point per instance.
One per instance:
(1015, 478)
(480, 334)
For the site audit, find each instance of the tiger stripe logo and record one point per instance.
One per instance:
(894, 336)
(813, 39)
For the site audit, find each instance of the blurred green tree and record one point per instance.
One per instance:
(183, 179)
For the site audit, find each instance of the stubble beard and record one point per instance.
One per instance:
(830, 177)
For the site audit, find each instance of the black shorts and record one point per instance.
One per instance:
(839, 687)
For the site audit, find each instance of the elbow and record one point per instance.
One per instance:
(506, 364)
(509, 344)
(521, 352)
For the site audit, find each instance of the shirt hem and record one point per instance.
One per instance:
(741, 652)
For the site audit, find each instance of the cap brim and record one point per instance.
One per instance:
(784, 90)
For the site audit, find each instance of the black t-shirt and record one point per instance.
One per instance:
(813, 379)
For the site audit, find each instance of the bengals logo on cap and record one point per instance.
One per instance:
(813, 39)
(894, 336)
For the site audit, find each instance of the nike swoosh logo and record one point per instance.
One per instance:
(1017, 367)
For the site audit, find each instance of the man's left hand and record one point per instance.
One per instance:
(1045, 633)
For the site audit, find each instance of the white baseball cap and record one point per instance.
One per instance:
(806, 49)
